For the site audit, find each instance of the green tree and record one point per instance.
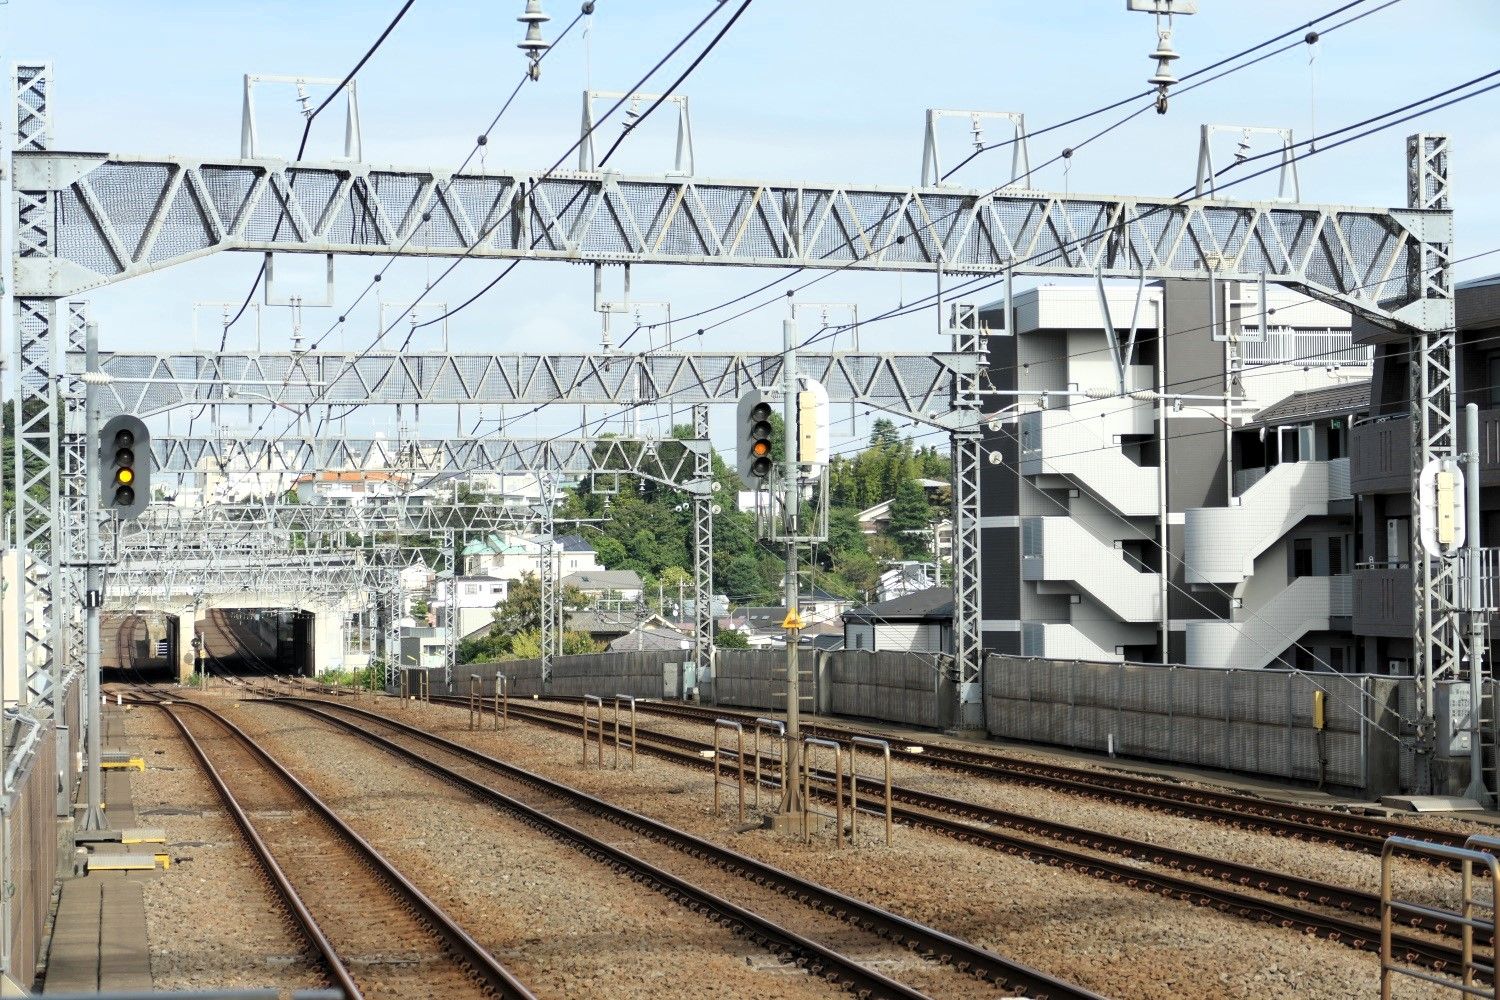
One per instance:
(743, 580)
(729, 638)
(911, 517)
(883, 433)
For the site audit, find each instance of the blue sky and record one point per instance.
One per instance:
(824, 91)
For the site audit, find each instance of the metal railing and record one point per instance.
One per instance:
(721, 726)
(1465, 979)
(502, 701)
(598, 727)
(630, 701)
(779, 742)
(1316, 348)
(882, 747)
(808, 743)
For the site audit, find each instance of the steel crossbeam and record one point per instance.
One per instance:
(146, 383)
(668, 461)
(124, 216)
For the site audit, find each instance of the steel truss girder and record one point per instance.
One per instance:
(123, 216)
(395, 514)
(146, 383)
(668, 461)
(328, 579)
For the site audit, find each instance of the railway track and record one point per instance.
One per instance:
(1365, 834)
(375, 932)
(1276, 903)
(819, 926)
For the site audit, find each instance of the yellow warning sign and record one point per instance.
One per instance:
(793, 621)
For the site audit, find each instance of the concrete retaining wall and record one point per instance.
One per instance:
(906, 688)
(1253, 721)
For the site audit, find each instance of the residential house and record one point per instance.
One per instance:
(510, 556)
(477, 597)
(918, 623)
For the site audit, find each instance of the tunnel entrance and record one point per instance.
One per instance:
(243, 642)
(138, 646)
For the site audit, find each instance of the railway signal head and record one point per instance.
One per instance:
(124, 466)
(755, 435)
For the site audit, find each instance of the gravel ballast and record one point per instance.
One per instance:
(212, 920)
(1113, 939)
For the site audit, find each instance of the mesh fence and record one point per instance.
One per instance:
(1258, 721)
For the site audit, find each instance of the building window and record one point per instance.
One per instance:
(1492, 371)
(1336, 555)
(1302, 558)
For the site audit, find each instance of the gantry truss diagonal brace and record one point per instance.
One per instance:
(122, 216)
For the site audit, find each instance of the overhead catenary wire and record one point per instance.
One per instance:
(1066, 154)
(301, 149)
(1092, 236)
(503, 216)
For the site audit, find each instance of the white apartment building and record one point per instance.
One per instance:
(476, 601)
(1083, 519)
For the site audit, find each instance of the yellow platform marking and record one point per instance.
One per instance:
(133, 764)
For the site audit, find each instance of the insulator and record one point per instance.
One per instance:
(533, 44)
(1242, 151)
(1164, 56)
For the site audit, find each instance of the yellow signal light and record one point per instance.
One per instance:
(125, 477)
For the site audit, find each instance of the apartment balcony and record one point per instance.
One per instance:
(1084, 446)
(1383, 600)
(1062, 550)
(1383, 594)
(1066, 641)
(1222, 543)
(1380, 450)
(1308, 604)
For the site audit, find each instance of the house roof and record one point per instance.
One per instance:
(604, 579)
(932, 604)
(608, 623)
(649, 637)
(573, 543)
(1310, 404)
(349, 476)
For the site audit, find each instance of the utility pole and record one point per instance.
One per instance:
(791, 798)
(1477, 789)
(93, 816)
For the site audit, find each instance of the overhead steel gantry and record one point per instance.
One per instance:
(87, 219)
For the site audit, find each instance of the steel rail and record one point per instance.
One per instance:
(338, 972)
(472, 957)
(931, 943)
(1364, 834)
(1431, 953)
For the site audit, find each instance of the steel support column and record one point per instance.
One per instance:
(1437, 639)
(968, 454)
(703, 551)
(450, 610)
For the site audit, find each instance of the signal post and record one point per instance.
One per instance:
(805, 408)
(117, 471)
